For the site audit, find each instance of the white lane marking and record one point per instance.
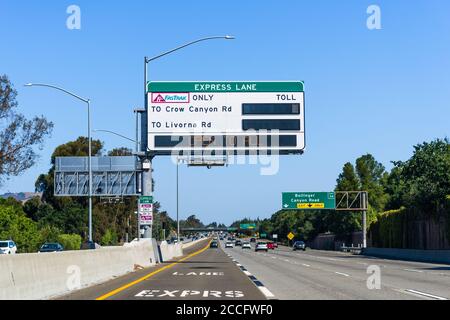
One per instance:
(286, 260)
(425, 294)
(413, 270)
(342, 274)
(362, 263)
(305, 265)
(274, 257)
(266, 292)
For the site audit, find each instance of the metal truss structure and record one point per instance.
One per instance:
(352, 200)
(111, 177)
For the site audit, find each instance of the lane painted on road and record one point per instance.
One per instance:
(151, 274)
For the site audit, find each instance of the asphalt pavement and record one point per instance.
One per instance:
(202, 273)
(324, 275)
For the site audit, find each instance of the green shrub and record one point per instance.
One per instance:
(388, 231)
(16, 226)
(109, 238)
(70, 241)
(49, 234)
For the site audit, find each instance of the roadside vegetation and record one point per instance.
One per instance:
(409, 206)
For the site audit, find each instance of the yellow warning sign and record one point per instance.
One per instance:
(310, 205)
(291, 236)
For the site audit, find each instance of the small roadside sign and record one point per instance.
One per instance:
(274, 236)
(290, 236)
(146, 211)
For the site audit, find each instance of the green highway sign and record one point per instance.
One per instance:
(263, 235)
(309, 200)
(225, 86)
(248, 226)
(145, 199)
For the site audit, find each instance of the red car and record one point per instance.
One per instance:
(271, 245)
(275, 245)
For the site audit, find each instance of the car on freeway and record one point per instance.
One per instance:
(246, 245)
(214, 244)
(299, 245)
(275, 245)
(229, 244)
(238, 243)
(270, 246)
(51, 247)
(8, 247)
(261, 246)
(221, 238)
(252, 239)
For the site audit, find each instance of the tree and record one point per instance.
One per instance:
(372, 176)
(15, 225)
(191, 222)
(348, 180)
(424, 180)
(18, 136)
(117, 152)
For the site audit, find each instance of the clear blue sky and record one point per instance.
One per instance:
(379, 91)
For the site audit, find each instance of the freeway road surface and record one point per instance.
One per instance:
(238, 274)
(334, 275)
(203, 273)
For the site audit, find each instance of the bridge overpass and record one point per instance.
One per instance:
(210, 229)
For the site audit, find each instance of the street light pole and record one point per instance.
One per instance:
(88, 102)
(147, 186)
(178, 220)
(90, 170)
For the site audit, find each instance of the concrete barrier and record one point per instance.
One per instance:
(433, 256)
(170, 251)
(46, 275)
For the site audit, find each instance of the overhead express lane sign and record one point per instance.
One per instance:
(226, 116)
(309, 200)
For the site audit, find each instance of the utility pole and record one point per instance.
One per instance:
(364, 222)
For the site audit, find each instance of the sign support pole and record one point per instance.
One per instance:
(147, 188)
(364, 222)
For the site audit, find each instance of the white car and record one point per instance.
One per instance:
(246, 245)
(229, 244)
(261, 246)
(8, 247)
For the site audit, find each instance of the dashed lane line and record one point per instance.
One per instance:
(423, 294)
(266, 292)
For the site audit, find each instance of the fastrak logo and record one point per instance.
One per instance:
(170, 97)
